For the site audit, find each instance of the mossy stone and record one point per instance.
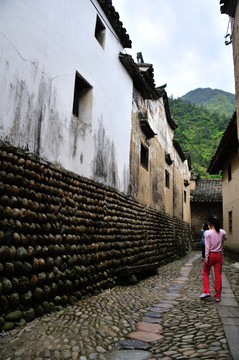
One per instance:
(46, 307)
(39, 310)
(26, 298)
(14, 300)
(8, 326)
(57, 300)
(133, 279)
(38, 294)
(14, 316)
(28, 314)
(22, 322)
(9, 268)
(7, 286)
(4, 303)
(72, 300)
(4, 252)
(22, 253)
(52, 306)
(2, 321)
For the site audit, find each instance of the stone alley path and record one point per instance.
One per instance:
(160, 317)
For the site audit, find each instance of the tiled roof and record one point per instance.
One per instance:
(179, 150)
(228, 145)
(207, 190)
(115, 22)
(141, 82)
(162, 93)
(228, 7)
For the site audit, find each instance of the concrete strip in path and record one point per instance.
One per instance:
(130, 355)
(228, 310)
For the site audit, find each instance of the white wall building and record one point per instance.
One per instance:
(65, 95)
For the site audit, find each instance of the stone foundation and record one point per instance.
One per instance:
(63, 237)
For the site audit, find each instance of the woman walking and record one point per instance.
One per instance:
(213, 257)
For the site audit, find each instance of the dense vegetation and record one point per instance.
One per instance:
(199, 130)
(213, 100)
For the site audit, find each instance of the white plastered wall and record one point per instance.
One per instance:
(42, 45)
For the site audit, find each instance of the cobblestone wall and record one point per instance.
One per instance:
(63, 236)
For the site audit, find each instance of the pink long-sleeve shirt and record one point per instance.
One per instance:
(213, 241)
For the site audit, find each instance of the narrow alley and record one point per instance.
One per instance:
(161, 317)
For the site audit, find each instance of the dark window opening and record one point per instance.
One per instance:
(185, 195)
(167, 179)
(100, 31)
(144, 158)
(229, 171)
(230, 221)
(82, 104)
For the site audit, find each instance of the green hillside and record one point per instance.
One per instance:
(199, 131)
(213, 100)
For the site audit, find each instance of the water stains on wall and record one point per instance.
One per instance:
(105, 163)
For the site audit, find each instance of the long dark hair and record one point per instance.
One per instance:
(215, 222)
(205, 226)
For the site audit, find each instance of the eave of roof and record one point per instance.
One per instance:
(188, 158)
(207, 190)
(162, 93)
(228, 7)
(141, 82)
(179, 150)
(113, 17)
(146, 128)
(168, 159)
(228, 145)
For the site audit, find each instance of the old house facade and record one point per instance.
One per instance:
(159, 169)
(226, 158)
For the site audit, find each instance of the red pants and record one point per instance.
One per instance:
(215, 260)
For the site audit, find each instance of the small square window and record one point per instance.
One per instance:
(144, 156)
(167, 179)
(82, 103)
(100, 31)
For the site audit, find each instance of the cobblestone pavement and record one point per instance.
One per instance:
(113, 325)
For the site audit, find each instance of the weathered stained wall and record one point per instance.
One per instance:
(230, 194)
(235, 44)
(148, 185)
(230, 189)
(181, 179)
(41, 50)
(64, 236)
